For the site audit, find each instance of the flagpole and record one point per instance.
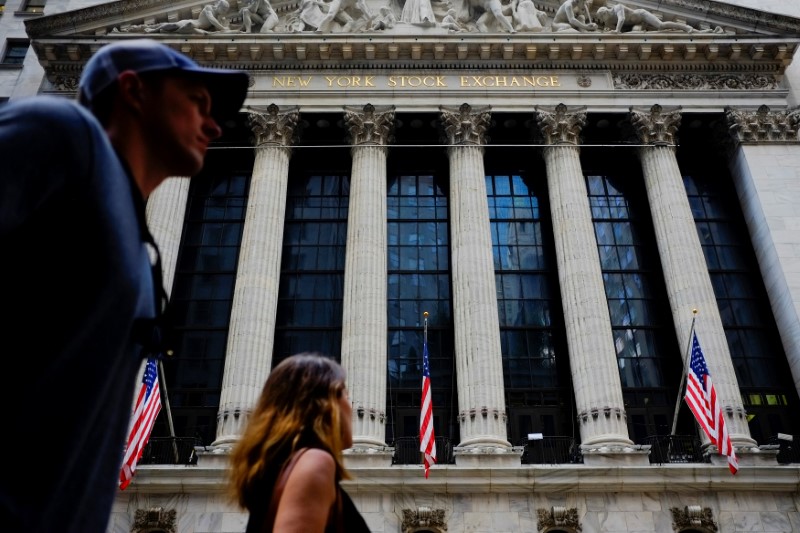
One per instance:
(683, 374)
(163, 383)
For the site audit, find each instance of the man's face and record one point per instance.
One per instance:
(178, 123)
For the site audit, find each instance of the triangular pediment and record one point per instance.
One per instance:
(688, 36)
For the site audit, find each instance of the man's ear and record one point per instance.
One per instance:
(130, 89)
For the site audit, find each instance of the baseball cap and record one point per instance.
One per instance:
(228, 88)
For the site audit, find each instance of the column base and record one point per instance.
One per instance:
(487, 456)
(633, 455)
(764, 455)
(368, 457)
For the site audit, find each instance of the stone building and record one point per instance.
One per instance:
(569, 190)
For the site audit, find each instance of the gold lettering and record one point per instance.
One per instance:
(554, 81)
(502, 81)
(368, 81)
(529, 80)
(542, 81)
(514, 81)
(464, 81)
(478, 81)
(330, 80)
(440, 81)
(278, 81)
(392, 81)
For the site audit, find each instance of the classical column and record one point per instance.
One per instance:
(165, 212)
(479, 364)
(592, 355)
(364, 321)
(763, 140)
(685, 271)
(252, 326)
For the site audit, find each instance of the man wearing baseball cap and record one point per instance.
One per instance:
(83, 300)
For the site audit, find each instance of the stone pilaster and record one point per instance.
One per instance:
(593, 359)
(761, 139)
(479, 364)
(364, 321)
(252, 326)
(685, 271)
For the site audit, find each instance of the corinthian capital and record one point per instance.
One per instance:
(368, 125)
(763, 125)
(463, 125)
(656, 125)
(273, 126)
(559, 126)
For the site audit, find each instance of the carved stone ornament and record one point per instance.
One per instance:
(656, 126)
(368, 125)
(560, 126)
(423, 518)
(691, 82)
(693, 516)
(559, 517)
(763, 125)
(156, 518)
(273, 126)
(463, 125)
(66, 83)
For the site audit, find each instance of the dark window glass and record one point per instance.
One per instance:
(202, 295)
(15, 52)
(757, 353)
(310, 295)
(33, 6)
(418, 281)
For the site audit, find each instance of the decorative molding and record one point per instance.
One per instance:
(558, 516)
(559, 125)
(273, 127)
(693, 516)
(423, 517)
(370, 126)
(717, 9)
(693, 82)
(154, 518)
(656, 126)
(463, 125)
(763, 125)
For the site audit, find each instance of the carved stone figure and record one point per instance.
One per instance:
(340, 11)
(212, 18)
(418, 12)
(450, 22)
(526, 17)
(385, 19)
(573, 15)
(493, 9)
(618, 17)
(259, 12)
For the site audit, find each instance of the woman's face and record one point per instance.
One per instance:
(346, 416)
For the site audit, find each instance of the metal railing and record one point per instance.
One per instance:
(406, 451)
(169, 451)
(674, 449)
(789, 451)
(551, 450)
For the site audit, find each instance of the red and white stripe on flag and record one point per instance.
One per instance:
(427, 441)
(148, 405)
(701, 396)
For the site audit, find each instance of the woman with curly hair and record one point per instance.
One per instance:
(286, 467)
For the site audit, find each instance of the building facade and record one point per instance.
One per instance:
(569, 190)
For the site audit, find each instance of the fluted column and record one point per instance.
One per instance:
(766, 189)
(252, 327)
(685, 271)
(165, 212)
(479, 364)
(364, 320)
(592, 356)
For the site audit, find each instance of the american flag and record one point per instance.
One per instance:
(148, 405)
(427, 442)
(701, 396)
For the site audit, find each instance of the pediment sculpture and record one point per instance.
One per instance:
(415, 16)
